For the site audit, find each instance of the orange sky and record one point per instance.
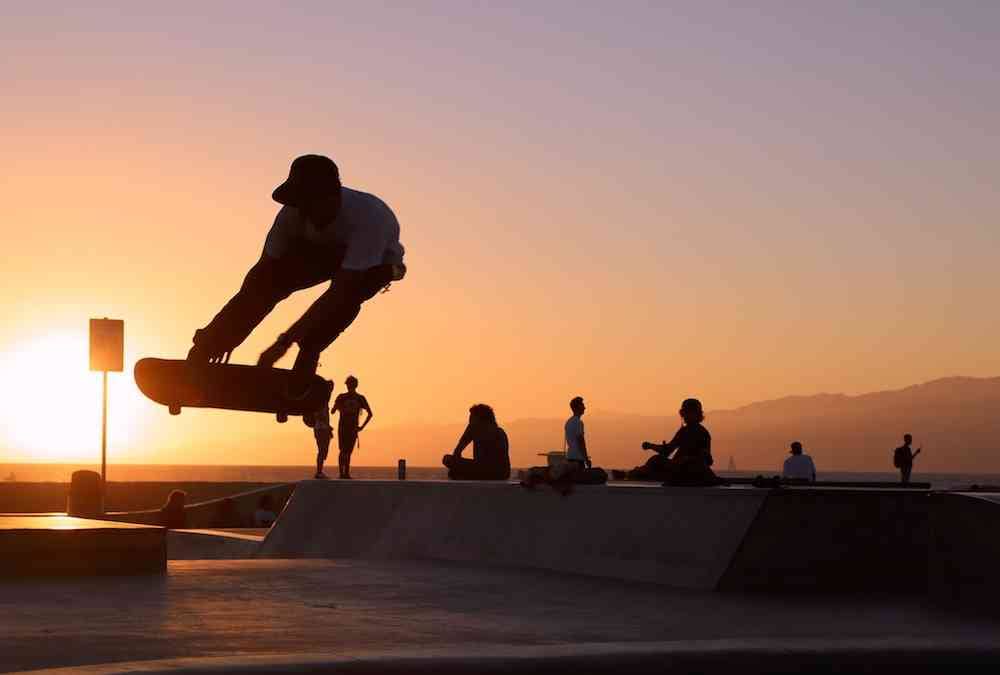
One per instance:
(635, 207)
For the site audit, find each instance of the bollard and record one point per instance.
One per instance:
(85, 499)
(401, 469)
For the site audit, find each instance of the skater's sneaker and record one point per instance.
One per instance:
(321, 476)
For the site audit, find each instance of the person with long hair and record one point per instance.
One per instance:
(490, 449)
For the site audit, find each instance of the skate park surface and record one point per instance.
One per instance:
(335, 613)
(394, 576)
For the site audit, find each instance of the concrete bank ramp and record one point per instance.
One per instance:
(682, 537)
(964, 565)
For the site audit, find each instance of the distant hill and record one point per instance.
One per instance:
(956, 420)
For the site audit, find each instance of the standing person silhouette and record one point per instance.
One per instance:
(323, 232)
(903, 458)
(323, 434)
(349, 405)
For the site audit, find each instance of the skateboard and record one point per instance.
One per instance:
(177, 383)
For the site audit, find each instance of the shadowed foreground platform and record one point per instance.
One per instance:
(343, 611)
(60, 545)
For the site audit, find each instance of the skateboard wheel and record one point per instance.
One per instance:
(174, 409)
(282, 417)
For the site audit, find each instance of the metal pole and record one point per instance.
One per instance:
(104, 434)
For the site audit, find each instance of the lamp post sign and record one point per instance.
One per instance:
(107, 353)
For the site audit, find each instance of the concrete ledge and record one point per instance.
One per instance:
(725, 657)
(62, 545)
(211, 545)
(638, 534)
(233, 511)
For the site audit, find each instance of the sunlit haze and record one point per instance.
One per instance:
(634, 202)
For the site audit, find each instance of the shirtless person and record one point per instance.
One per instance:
(349, 405)
(323, 232)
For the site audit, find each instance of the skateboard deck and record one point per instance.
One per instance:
(177, 383)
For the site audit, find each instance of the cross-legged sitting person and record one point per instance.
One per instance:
(490, 449)
(687, 458)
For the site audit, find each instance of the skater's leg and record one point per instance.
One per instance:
(267, 283)
(331, 314)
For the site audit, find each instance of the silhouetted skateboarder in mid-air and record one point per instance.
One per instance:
(323, 232)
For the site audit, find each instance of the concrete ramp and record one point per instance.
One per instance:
(964, 564)
(682, 537)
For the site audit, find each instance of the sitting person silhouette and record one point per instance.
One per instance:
(687, 458)
(578, 467)
(323, 232)
(172, 514)
(490, 449)
(798, 467)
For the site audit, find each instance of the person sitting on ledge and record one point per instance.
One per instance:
(799, 468)
(687, 458)
(172, 512)
(577, 468)
(490, 449)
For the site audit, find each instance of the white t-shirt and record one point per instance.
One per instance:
(365, 225)
(574, 430)
(799, 466)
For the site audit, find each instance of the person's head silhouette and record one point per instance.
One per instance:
(482, 414)
(691, 411)
(313, 187)
(577, 406)
(796, 448)
(351, 383)
(907, 439)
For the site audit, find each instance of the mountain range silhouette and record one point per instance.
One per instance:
(956, 420)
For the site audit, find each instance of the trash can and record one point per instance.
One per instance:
(85, 498)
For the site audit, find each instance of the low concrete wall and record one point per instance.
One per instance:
(211, 545)
(61, 545)
(835, 540)
(964, 560)
(234, 511)
(682, 537)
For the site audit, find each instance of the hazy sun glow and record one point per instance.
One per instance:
(51, 402)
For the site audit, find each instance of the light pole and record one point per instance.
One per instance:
(107, 353)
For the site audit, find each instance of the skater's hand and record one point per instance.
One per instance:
(588, 463)
(200, 354)
(646, 445)
(272, 354)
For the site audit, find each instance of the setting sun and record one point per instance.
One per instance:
(52, 402)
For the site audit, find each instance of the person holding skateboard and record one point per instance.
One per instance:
(349, 405)
(323, 232)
